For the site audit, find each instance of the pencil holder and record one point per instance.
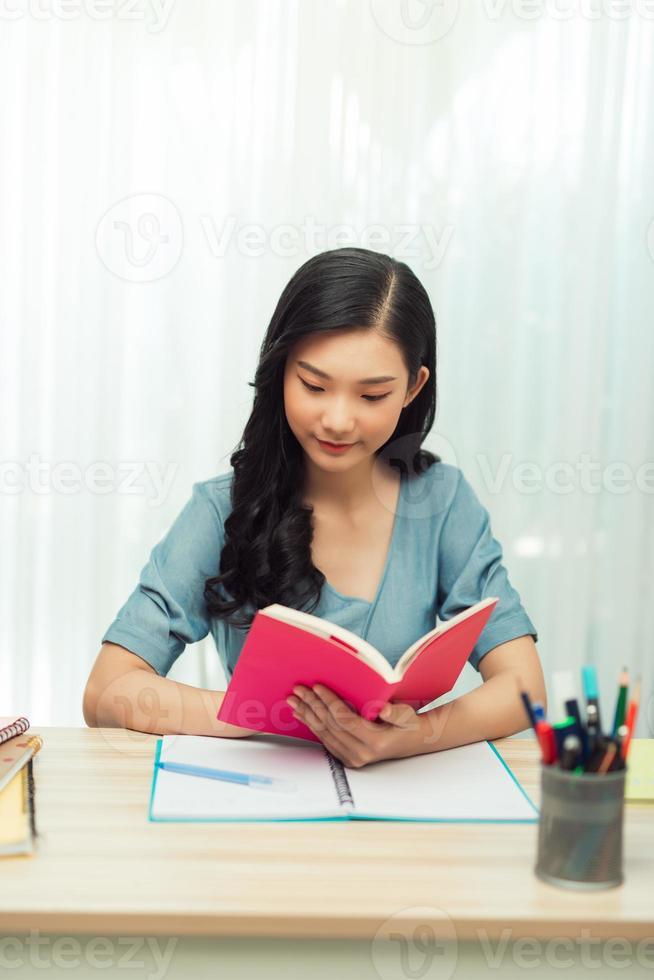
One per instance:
(580, 828)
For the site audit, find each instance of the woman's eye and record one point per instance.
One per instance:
(371, 398)
(310, 387)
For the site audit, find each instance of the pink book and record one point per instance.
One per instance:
(285, 647)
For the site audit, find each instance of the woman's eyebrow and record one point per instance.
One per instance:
(380, 379)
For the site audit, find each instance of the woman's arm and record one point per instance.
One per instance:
(494, 709)
(124, 691)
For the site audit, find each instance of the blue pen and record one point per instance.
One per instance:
(229, 776)
(572, 707)
(526, 700)
(561, 730)
(589, 678)
(539, 711)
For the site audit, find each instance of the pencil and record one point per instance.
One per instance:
(630, 721)
(611, 749)
(621, 703)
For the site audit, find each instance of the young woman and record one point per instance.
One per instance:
(332, 507)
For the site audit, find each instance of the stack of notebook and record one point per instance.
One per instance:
(17, 751)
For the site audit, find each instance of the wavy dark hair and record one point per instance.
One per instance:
(266, 556)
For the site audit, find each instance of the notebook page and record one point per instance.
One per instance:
(182, 796)
(469, 782)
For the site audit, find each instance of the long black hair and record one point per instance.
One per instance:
(266, 556)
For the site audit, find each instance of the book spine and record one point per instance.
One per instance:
(340, 779)
(31, 790)
(19, 726)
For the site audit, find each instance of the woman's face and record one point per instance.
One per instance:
(345, 407)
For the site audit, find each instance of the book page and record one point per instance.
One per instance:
(182, 796)
(469, 782)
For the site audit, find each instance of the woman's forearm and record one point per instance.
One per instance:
(146, 702)
(492, 710)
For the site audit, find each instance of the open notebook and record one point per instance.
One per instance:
(467, 783)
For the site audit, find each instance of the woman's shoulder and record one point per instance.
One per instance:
(442, 474)
(440, 490)
(442, 480)
(217, 492)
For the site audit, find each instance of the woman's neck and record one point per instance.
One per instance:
(352, 492)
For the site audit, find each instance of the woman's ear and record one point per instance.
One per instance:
(421, 380)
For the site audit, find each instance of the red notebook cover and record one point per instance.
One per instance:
(276, 656)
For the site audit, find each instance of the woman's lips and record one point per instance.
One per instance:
(332, 447)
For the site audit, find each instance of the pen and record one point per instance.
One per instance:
(528, 708)
(543, 731)
(592, 727)
(230, 776)
(572, 707)
(561, 729)
(539, 711)
(571, 751)
(545, 737)
(598, 752)
(621, 703)
(589, 677)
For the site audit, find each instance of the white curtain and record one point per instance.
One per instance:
(162, 175)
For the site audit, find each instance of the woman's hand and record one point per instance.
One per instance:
(353, 739)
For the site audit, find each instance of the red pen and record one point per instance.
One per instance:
(630, 720)
(547, 742)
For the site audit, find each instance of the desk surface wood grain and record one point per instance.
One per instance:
(101, 866)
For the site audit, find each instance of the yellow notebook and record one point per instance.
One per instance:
(17, 823)
(15, 815)
(639, 787)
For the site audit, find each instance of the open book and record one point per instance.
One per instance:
(285, 647)
(467, 783)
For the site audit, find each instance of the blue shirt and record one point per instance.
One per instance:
(442, 559)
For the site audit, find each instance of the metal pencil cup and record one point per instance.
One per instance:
(580, 828)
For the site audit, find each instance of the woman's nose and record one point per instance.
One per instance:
(337, 419)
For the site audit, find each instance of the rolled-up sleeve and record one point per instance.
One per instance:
(166, 610)
(470, 569)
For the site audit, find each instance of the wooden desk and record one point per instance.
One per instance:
(103, 869)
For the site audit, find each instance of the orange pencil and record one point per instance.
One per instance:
(630, 720)
(608, 758)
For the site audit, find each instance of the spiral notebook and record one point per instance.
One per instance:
(11, 725)
(470, 783)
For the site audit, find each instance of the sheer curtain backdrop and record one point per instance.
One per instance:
(163, 175)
